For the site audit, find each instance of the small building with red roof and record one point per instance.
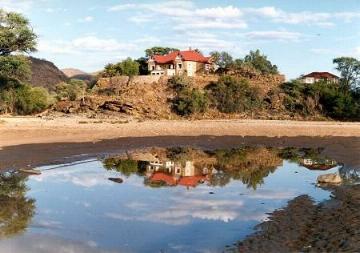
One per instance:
(315, 77)
(189, 62)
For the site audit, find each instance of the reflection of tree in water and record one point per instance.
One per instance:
(16, 210)
(297, 154)
(250, 165)
(127, 167)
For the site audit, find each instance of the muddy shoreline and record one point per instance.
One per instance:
(304, 226)
(343, 149)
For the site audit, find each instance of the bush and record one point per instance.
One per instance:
(328, 98)
(260, 62)
(232, 95)
(71, 90)
(31, 100)
(24, 99)
(127, 67)
(179, 83)
(190, 101)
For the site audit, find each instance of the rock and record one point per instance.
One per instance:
(116, 180)
(30, 171)
(332, 178)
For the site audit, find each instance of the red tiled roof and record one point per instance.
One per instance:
(191, 181)
(319, 167)
(163, 177)
(189, 55)
(320, 75)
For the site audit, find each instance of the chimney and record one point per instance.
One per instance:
(190, 48)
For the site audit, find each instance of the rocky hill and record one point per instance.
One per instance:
(78, 74)
(45, 74)
(151, 96)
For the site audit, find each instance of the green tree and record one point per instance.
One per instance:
(232, 95)
(16, 34)
(189, 101)
(222, 59)
(350, 71)
(31, 99)
(127, 67)
(15, 67)
(180, 82)
(71, 91)
(159, 51)
(16, 210)
(260, 62)
(143, 66)
(127, 167)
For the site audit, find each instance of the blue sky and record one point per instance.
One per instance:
(298, 36)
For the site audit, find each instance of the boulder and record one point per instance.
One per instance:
(116, 180)
(332, 178)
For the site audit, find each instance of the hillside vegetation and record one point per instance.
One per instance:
(249, 87)
(45, 74)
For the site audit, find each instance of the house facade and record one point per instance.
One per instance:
(315, 77)
(188, 62)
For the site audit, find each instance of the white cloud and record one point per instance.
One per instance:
(269, 12)
(186, 207)
(122, 7)
(84, 44)
(86, 19)
(272, 195)
(17, 5)
(274, 35)
(325, 19)
(230, 17)
(357, 51)
(200, 23)
(141, 18)
(320, 50)
(185, 16)
(219, 12)
(45, 243)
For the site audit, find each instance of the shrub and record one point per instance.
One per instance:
(23, 99)
(127, 67)
(179, 83)
(189, 101)
(260, 62)
(328, 98)
(232, 95)
(71, 90)
(31, 100)
(126, 166)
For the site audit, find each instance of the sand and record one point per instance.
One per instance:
(31, 142)
(30, 130)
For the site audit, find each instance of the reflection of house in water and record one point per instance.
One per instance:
(171, 174)
(318, 164)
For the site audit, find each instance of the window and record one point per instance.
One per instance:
(153, 67)
(179, 65)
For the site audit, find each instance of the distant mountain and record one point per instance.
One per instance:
(78, 74)
(70, 72)
(45, 74)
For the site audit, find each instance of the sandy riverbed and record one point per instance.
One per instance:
(30, 142)
(31, 130)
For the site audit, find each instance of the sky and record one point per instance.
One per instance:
(297, 36)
